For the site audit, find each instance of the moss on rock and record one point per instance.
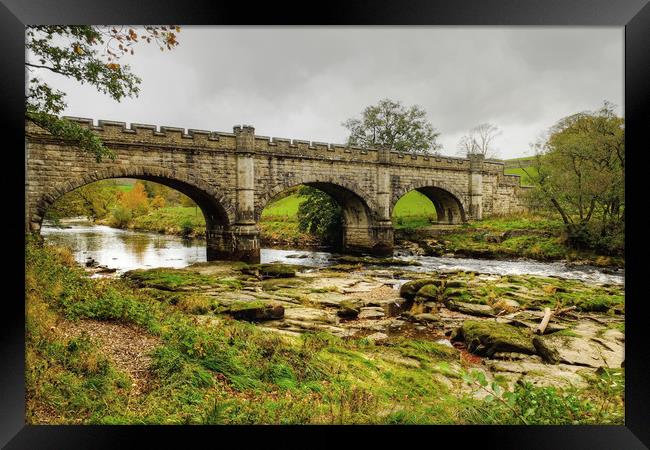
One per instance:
(410, 289)
(271, 270)
(485, 338)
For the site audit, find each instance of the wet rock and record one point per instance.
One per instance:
(91, 262)
(471, 309)
(546, 351)
(485, 338)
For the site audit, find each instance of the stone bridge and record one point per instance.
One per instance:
(233, 176)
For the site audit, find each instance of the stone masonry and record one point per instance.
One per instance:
(233, 176)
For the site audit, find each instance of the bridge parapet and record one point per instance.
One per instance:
(116, 132)
(166, 136)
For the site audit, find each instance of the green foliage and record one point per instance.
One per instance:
(121, 216)
(580, 173)
(390, 125)
(320, 214)
(94, 200)
(532, 405)
(88, 55)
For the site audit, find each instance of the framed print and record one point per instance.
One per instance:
(380, 214)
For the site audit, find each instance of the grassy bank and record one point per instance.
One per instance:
(527, 236)
(211, 369)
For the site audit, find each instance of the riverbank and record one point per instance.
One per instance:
(532, 237)
(232, 343)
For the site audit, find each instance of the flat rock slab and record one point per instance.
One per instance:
(310, 315)
(536, 372)
(371, 313)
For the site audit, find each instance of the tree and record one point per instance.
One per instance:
(581, 175)
(479, 141)
(93, 200)
(319, 214)
(390, 125)
(136, 200)
(88, 54)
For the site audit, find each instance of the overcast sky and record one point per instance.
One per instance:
(302, 82)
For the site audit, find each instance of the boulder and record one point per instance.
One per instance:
(485, 338)
(410, 289)
(428, 292)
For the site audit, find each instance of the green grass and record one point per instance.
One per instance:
(285, 207)
(226, 371)
(525, 179)
(183, 220)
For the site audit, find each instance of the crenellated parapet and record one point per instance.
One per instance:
(122, 133)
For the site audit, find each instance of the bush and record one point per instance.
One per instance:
(120, 217)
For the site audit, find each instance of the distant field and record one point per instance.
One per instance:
(285, 207)
(413, 208)
(525, 180)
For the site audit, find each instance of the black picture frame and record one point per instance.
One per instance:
(634, 15)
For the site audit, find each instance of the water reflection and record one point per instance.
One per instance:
(124, 249)
(127, 250)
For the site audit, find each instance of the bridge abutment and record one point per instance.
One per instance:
(238, 243)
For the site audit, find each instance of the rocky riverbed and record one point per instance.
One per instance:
(487, 319)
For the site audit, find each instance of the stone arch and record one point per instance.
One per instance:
(359, 208)
(322, 183)
(216, 208)
(450, 204)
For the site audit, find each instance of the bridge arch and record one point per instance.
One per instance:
(358, 208)
(217, 210)
(450, 204)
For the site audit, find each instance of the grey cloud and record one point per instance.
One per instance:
(302, 82)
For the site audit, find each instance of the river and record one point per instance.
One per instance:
(127, 250)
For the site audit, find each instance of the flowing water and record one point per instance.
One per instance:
(126, 250)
